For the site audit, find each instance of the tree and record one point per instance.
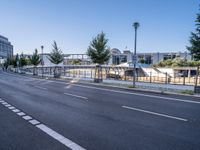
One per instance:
(98, 50)
(56, 55)
(195, 40)
(99, 53)
(14, 61)
(35, 60)
(22, 61)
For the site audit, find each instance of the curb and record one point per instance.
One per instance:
(107, 85)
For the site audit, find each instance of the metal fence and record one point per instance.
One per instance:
(111, 73)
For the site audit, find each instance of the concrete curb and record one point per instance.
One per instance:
(107, 85)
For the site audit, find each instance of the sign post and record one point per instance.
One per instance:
(197, 87)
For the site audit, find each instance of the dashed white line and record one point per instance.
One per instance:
(39, 87)
(155, 113)
(16, 110)
(21, 114)
(8, 105)
(34, 122)
(4, 103)
(70, 144)
(139, 94)
(77, 96)
(27, 117)
(11, 107)
(63, 140)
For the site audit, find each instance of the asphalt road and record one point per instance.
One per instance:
(68, 115)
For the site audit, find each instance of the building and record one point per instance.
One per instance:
(6, 48)
(118, 57)
(76, 59)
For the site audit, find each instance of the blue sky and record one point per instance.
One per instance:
(165, 24)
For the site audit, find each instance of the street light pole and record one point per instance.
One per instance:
(42, 62)
(134, 59)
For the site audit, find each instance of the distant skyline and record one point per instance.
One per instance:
(165, 26)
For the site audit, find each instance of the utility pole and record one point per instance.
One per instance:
(134, 59)
(42, 62)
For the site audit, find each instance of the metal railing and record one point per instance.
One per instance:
(111, 73)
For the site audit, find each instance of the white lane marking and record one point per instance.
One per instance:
(130, 93)
(16, 110)
(21, 114)
(70, 144)
(39, 87)
(139, 94)
(8, 105)
(155, 113)
(4, 103)
(46, 82)
(27, 117)
(34, 122)
(63, 140)
(77, 96)
(11, 107)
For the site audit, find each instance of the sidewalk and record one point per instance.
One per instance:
(157, 87)
(143, 85)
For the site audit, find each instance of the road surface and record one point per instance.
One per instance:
(57, 115)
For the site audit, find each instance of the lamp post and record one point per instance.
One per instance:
(42, 62)
(134, 59)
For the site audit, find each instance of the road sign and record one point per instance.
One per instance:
(134, 59)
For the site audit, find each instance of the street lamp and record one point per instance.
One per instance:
(135, 25)
(42, 62)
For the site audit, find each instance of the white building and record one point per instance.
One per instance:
(118, 57)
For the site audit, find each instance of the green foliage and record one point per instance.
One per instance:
(142, 60)
(22, 61)
(195, 40)
(11, 61)
(177, 63)
(189, 92)
(35, 59)
(98, 50)
(56, 55)
(76, 62)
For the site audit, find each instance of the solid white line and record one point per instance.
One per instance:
(68, 94)
(70, 144)
(155, 113)
(139, 94)
(39, 87)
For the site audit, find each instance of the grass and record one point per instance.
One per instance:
(130, 86)
(189, 92)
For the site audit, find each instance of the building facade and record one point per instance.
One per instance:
(118, 57)
(6, 48)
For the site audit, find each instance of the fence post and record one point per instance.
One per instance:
(150, 77)
(184, 74)
(125, 74)
(166, 78)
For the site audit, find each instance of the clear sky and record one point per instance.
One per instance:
(165, 24)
